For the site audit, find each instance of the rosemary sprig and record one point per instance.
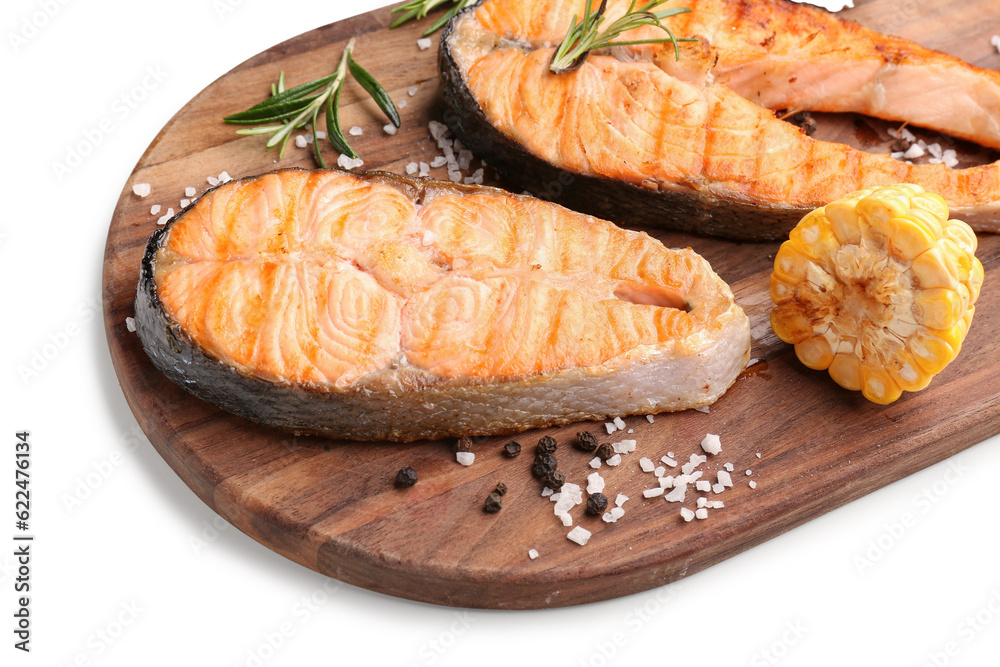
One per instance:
(417, 9)
(584, 37)
(296, 107)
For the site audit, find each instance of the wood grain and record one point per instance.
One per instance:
(331, 506)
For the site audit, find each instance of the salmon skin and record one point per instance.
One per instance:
(637, 137)
(375, 307)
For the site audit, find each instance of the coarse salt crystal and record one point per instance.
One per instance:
(667, 482)
(711, 444)
(695, 475)
(595, 483)
(411, 168)
(703, 485)
(749, 472)
(718, 488)
(649, 418)
(686, 514)
(646, 464)
(321, 135)
(580, 535)
(565, 517)
(652, 493)
(142, 189)
(437, 129)
(130, 324)
(546, 492)
(716, 504)
(702, 501)
(212, 180)
(424, 43)
(224, 177)
(154, 209)
(610, 427)
(185, 202)
(622, 447)
(688, 468)
(465, 161)
(412, 90)
(703, 408)
(935, 150)
(669, 461)
(618, 512)
(758, 454)
(913, 151)
(907, 135)
(465, 458)
(163, 219)
(729, 466)
(439, 161)
(389, 129)
(300, 141)
(995, 41)
(356, 131)
(595, 462)
(896, 155)
(659, 471)
(532, 554)
(701, 513)
(753, 484)
(619, 422)
(676, 495)
(455, 176)
(401, 104)
(725, 479)
(614, 460)
(631, 430)
(621, 499)
(189, 191)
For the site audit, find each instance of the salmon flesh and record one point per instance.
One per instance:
(375, 307)
(636, 136)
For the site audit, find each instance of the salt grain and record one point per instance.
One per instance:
(659, 471)
(711, 444)
(614, 460)
(669, 461)
(613, 515)
(610, 427)
(667, 482)
(532, 554)
(686, 514)
(411, 168)
(677, 494)
(749, 472)
(189, 191)
(424, 43)
(718, 488)
(130, 324)
(758, 454)
(212, 180)
(620, 423)
(439, 161)
(356, 131)
(703, 408)
(649, 418)
(702, 501)
(300, 141)
(154, 209)
(716, 504)
(437, 129)
(389, 129)
(703, 485)
(621, 499)
(654, 492)
(401, 104)
(185, 203)
(142, 189)
(595, 483)
(595, 462)
(646, 464)
(321, 135)
(913, 151)
(465, 458)
(728, 466)
(412, 90)
(725, 479)
(224, 177)
(995, 41)
(701, 513)
(546, 492)
(753, 484)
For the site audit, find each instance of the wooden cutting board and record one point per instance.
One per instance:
(331, 505)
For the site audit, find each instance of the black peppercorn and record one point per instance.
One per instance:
(512, 449)
(543, 465)
(605, 451)
(555, 479)
(501, 488)
(546, 445)
(463, 444)
(406, 477)
(596, 504)
(492, 504)
(586, 441)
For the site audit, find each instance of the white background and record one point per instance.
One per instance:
(129, 552)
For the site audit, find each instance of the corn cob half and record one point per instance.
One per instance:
(877, 288)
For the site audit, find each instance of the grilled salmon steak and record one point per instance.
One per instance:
(638, 136)
(375, 307)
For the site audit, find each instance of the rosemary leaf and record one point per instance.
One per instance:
(377, 92)
(316, 150)
(418, 9)
(333, 131)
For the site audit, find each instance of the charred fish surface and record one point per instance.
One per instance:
(639, 138)
(375, 307)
